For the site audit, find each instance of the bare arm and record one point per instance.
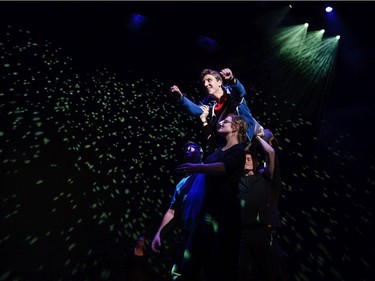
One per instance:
(217, 168)
(206, 111)
(270, 156)
(156, 242)
(207, 130)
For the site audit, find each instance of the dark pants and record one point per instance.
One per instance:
(280, 259)
(176, 272)
(213, 250)
(256, 254)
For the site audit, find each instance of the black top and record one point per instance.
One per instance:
(137, 267)
(221, 198)
(255, 197)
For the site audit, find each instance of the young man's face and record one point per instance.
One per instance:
(193, 154)
(249, 165)
(211, 85)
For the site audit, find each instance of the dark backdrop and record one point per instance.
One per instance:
(90, 136)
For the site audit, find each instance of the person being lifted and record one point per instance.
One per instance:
(224, 95)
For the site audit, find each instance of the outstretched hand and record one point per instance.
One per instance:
(176, 91)
(188, 168)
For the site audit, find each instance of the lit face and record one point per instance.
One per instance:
(141, 241)
(193, 154)
(249, 165)
(226, 126)
(212, 85)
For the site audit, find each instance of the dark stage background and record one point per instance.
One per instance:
(90, 136)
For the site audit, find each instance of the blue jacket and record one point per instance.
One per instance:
(237, 105)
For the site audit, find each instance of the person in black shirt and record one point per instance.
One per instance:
(214, 243)
(137, 267)
(256, 255)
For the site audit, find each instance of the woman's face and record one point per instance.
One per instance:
(226, 126)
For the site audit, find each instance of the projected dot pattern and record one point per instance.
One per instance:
(87, 165)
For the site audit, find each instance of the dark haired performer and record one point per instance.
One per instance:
(224, 95)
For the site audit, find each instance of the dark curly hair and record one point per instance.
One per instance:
(242, 126)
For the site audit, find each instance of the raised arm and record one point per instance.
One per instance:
(187, 105)
(238, 90)
(270, 156)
